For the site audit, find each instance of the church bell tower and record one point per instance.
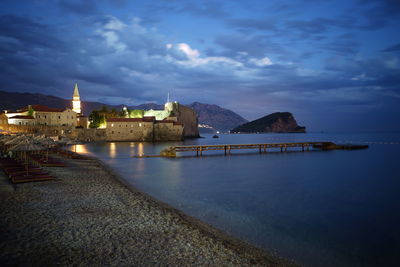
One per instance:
(76, 101)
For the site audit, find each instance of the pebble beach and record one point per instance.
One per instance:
(88, 216)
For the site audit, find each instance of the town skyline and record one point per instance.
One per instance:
(334, 65)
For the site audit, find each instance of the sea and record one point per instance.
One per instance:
(318, 208)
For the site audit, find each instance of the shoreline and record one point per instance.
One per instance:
(175, 237)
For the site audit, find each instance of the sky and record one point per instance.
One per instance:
(333, 64)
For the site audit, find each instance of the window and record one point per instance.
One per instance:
(112, 125)
(45, 116)
(59, 117)
(112, 132)
(140, 124)
(131, 131)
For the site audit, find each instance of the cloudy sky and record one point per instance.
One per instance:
(334, 64)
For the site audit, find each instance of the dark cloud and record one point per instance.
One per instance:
(257, 45)
(266, 24)
(26, 33)
(393, 48)
(78, 6)
(342, 46)
(211, 9)
(320, 24)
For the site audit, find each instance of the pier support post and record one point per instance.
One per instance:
(302, 147)
(197, 151)
(225, 150)
(285, 147)
(259, 149)
(201, 151)
(281, 148)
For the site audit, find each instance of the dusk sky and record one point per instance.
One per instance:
(333, 64)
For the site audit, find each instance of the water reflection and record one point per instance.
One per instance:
(113, 150)
(131, 149)
(81, 149)
(140, 149)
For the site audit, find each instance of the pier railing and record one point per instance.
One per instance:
(199, 149)
(261, 148)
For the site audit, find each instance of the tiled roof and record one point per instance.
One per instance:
(22, 117)
(165, 121)
(41, 108)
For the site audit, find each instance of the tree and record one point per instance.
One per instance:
(96, 119)
(30, 111)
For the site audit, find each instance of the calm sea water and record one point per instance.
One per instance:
(320, 208)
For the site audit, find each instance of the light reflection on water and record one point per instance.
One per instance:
(113, 150)
(331, 208)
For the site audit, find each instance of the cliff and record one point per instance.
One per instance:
(187, 116)
(279, 122)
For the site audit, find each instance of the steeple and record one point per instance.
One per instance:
(76, 93)
(76, 101)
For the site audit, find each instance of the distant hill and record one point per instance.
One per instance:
(279, 122)
(220, 119)
(213, 116)
(148, 106)
(14, 101)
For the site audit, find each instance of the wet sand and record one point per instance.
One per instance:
(88, 216)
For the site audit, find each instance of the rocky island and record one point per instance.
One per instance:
(278, 122)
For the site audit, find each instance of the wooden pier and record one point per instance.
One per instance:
(261, 148)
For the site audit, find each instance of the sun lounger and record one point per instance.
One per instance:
(31, 178)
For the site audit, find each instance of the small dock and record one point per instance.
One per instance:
(261, 148)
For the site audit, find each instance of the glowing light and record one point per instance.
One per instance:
(113, 150)
(103, 125)
(140, 149)
(81, 149)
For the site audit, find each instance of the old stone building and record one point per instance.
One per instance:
(22, 120)
(51, 116)
(143, 129)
